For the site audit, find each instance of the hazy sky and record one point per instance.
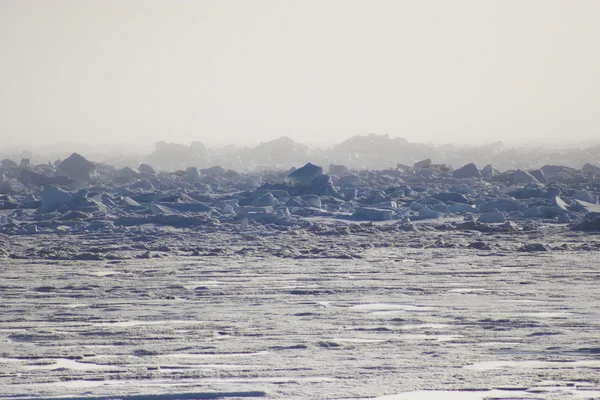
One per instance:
(315, 70)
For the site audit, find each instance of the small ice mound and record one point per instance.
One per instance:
(312, 200)
(492, 218)
(585, 196)
(53, 198)
(305, 175)
(338, 170)
(468, 171)
(372, 214)
(422, 164)
(587, 207)
(425, 213)
(8, 163)
(77, 167)
(266, 200)
(192, 285)
(192, 175)
(227, 209)
(523, 177)
(146, 169)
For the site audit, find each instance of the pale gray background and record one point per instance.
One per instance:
(319, 71)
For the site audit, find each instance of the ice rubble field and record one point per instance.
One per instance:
(399, 323)
(406, 283)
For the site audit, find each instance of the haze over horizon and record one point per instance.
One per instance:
(317, 71)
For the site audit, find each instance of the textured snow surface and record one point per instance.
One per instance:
(399, 323)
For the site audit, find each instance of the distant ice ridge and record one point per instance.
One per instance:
(37, 199)
(358, 152)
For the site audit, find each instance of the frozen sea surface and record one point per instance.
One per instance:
(402, 324)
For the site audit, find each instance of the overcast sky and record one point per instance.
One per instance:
(315, 70)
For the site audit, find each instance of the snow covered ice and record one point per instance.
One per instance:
(210, 282)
